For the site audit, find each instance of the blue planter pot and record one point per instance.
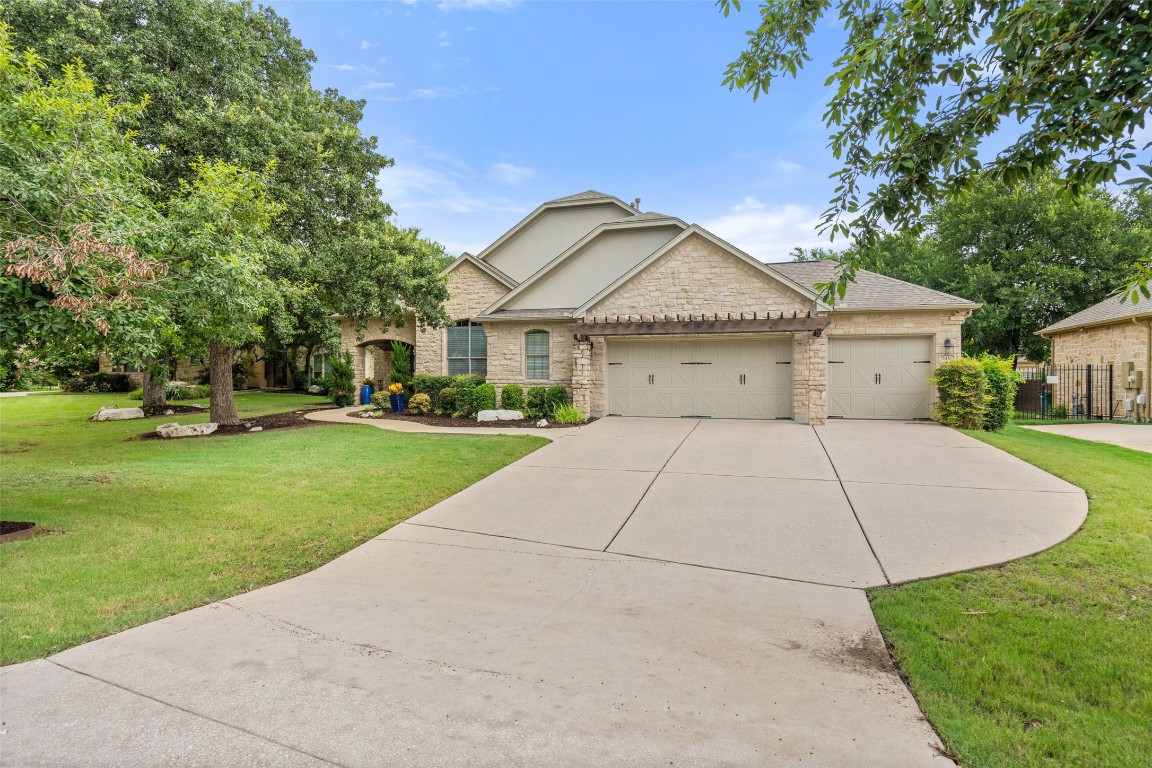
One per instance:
(366, 394)
(397, 403)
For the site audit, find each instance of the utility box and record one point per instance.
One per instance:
(1134, 380)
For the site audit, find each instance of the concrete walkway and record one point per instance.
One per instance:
(639, 592)
(1138, 437)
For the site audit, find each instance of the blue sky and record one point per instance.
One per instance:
(490, 108)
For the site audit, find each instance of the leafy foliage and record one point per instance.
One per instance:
(567, 413)
(465, 385)
(485, 397)
(401, 362)
(446, 403)
(98, 382)
(432, 386)
(1002, 381)
(962, 385)
(536, 403)
(512, 397)
(340, 387)
(420, 404)
(920, 87)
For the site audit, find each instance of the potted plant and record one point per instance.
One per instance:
(366, 392)
(396, 397)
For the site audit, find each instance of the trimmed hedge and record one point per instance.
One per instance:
(542, 402)
(512, 397)
(963, 402)
(98, 382)
(485, 397)
(423, 384)
(466, 384)
(1003, 379)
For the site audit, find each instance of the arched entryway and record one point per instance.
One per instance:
(372, 359)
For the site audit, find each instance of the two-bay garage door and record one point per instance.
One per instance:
(737, 378)
(877, 378)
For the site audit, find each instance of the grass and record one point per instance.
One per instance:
(144, 529)
(1029, 421)
(1054, 670)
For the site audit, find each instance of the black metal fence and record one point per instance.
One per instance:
(1068, 392)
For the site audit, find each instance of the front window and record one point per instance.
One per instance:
(319, 366)
(536, 354)
(467, 349)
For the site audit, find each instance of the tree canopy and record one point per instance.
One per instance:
(921, 88)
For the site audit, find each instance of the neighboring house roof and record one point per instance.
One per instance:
(467, 258)
(1111, 310)
(871, 290)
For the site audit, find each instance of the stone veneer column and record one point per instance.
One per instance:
(582, 376)
(817, 380)
(357, 370)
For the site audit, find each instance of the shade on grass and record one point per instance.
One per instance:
(1045, 661)
(143, 529)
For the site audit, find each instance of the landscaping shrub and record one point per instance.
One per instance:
(1002, 382)
(485, 397)
(466, 384)
(447, 402)
(379, 400)
(432, 386)
(340, 387)
(963, 386)
(566, 413)
(512, 397)
(98, 382)
(239, 375)
(402, 365)
(420, 404)
(554, 397)
(536, 402)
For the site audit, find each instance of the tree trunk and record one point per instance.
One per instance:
(222, 404)
(154, 385)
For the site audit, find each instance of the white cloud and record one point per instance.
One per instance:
(768, 232)
(476, 5)
(376, 86)
(509, 173)
(457, 248)
(436, 92)
(365, 45)
(351, 68)
(439, 184)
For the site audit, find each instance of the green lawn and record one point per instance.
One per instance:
(144, 529)
(1058, 671)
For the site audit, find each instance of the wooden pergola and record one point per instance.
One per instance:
(667, 325)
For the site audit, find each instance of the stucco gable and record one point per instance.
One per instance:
(698, 276)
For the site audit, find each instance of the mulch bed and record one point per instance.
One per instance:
(448, 421)
(162, 410)
(273, 421)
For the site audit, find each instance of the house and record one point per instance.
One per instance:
(263, 373)
(643, 314)
(1112, 333)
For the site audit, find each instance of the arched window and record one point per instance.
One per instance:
(537, 347)
(467, 349)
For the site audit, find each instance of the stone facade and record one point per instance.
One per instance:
(1115, 344)
(507, 362)
(371, 346)
(471, 291)
(809, 378)
(698, 276)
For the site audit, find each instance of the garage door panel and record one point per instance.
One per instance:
(726, 378)
(879, 378)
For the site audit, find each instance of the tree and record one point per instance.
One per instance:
(74, 209)
(921, 86)
(219, 243)
(1028, 253)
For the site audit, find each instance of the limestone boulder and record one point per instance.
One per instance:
(118, 414)
(186, 430)
(499, 414)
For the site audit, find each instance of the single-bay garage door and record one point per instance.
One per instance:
(877, 378)
(723, 378)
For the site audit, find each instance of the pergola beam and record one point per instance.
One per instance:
(663, 325)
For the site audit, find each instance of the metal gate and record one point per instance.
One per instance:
(1067, 392)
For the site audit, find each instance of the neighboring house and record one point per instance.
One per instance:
(642, 314)
(1116, 333)
(262, 373)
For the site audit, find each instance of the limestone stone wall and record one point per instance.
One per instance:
(471, 291)
(1115, 345)
(360, 344)
(696, 276)
(809, 378)
(506, 361)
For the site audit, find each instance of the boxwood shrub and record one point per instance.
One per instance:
(512, 397)
(1003, 379)
(485, 397)
(536, 402)
(963, 385)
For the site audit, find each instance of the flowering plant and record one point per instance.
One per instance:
(395, 389)
(368, 381)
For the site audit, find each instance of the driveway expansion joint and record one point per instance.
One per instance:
(194, 713)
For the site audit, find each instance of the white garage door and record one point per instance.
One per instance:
(879, 378)
(743, 379)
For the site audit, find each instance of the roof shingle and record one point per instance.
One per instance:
(1110, 310)
(870, 290)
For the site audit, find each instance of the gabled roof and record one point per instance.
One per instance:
(696, 229)
(1111, 310)
(484, 266)
(591, 197)
(871, 290)
(633, 222)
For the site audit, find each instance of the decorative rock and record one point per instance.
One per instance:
(256, 429)
(118, 414)
(169, 412)
(542, 423)
(499, 414)
(186, 430)
(314, 389)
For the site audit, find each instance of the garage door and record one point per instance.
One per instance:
(743, 379)
(879, 378)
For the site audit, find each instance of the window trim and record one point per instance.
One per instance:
(547, 355)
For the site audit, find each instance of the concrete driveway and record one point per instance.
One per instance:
(1138, 437)
(641, 592)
